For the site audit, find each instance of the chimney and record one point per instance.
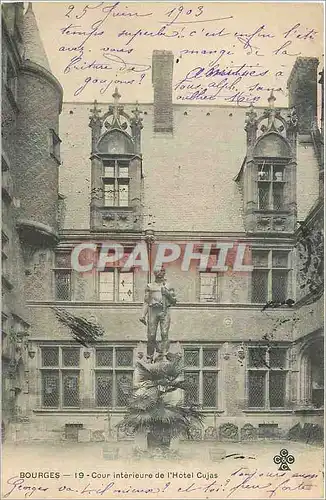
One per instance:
(302, 86)
(162, 75)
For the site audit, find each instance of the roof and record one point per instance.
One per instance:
(33, 45)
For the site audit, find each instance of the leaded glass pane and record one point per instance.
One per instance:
(263, 195)
(257, 357)
(104, 385)
(106, 285)
(70, 382)
(109, 168)
(123, 169)
(191, 357)
(50, 388)
(277, 358)
(192, 392)
(70, 356)
(277, 389)
(123, 194)
(278, 173)
(260, 258)
(50, 356)
(124, 387)
(209, 389)
(124, 357)
(256, 389)
(279, 285)
(109, 194)
(104, 357)
(280, 259)
(278, 197)
(62, 284)
(264, 172)
(210, 357)
(259, 292)
(126, 287)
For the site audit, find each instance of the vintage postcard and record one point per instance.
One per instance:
(162, 250)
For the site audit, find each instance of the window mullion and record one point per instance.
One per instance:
(114, 392)
(267, 404)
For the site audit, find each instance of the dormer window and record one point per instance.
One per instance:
(116, 183)
(270, 186)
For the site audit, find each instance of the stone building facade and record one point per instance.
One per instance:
(183, 174)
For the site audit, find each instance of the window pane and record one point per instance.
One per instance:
(209, 389)
(263, 195)
(192, 392)
(280, 259)
(109, 169)
(277, 358)
(278, 174)
(278, 201)
(70, 383)
(106, 285)
(109, 194)
(50, 356)
(123, 194)
(208, 287)
(70, 357)
(126, 287)
(209, 357)
(279, 285)
(264, 172)
(124, 357)
(50, 388)
(191, 357)
(256, 389)
(259, 292)
(124, 388)
(123, 168)
(63, 285)
(257, 357)
(277, 389)
(260, 258)
(104, 384)
(104, 357)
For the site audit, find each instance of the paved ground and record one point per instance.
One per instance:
(88, 458)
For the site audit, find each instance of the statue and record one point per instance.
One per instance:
(159, 297)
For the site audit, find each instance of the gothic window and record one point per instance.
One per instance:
(270, 276)
(116, 183)
(60, 376)
(116, 285)
(113, 376)
(267, 376)
(208, 287)
(201, 374)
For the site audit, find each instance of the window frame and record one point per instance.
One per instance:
(116, 181)
(272, 163)
(67, 270)
(267, 369)
(116, 271)
(216, 297)
(59, 369)
(201, 369)
(114, 370)
(269, 269)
